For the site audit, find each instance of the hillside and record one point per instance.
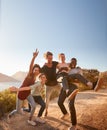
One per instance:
(91, 110)
(6, 78)
(20, 75)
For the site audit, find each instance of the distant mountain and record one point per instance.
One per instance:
(6, 78)
(20, 75)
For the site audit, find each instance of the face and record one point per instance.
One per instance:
(62, 57)
(49, 58)
(36, 70)
(43, 79)
(73, 63)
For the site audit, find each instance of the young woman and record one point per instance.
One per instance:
(49, 69)
(34, 70)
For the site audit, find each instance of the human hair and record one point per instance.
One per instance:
(74, 59)
(36, 66)
(47, 54)
(41, 74)
(59, 55)
(71, 63)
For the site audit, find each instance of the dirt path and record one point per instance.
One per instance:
(91, 110)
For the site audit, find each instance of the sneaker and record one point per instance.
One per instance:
(72, 95)
(65, 116)
(89, 84)
(38, 119)
(8, 118)
(26, 109)
(31, 122)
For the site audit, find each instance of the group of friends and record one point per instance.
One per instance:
(52, 76)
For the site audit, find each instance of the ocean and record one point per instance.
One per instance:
(6, 85)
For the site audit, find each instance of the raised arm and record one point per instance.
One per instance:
(32, 61)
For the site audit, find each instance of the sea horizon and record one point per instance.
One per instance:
(6, 85)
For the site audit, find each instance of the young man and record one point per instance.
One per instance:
(69, 88)
(37, 91)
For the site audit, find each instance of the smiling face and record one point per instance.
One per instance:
(62, 57)
(73, 63)
(36, 70)
(42, 78)
(49, 57)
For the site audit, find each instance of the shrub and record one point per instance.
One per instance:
(7, 102)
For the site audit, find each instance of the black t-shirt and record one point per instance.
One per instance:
(50, 73)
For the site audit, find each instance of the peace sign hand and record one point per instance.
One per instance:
(35, 53)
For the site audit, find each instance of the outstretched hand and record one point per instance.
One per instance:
(35, 53)
(13, 89)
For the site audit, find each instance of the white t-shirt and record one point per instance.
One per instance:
(76, 70)
(38, 89)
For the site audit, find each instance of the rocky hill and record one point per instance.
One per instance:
(20, 75)
(5, 78)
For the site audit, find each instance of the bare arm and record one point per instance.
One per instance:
(32, 61)
(15, 89)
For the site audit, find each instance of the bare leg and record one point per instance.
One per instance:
(98, 85)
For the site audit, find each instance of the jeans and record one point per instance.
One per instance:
(72, 78)
(49, 90)
(61, 100)
(40, 101)
(19, 105)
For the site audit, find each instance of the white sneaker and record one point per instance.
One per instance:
(31, 122)
(8, 118)
(38, 119)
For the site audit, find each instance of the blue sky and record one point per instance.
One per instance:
(77, 28)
